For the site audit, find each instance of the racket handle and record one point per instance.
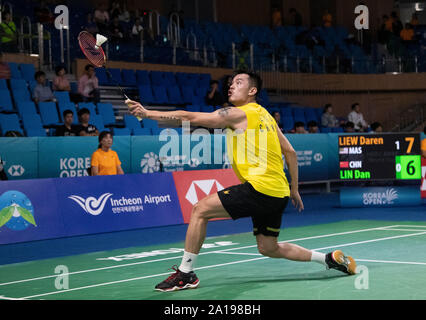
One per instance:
(139, 118)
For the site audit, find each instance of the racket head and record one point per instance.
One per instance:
(87, 42)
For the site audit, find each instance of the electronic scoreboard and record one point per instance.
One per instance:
(386, 156)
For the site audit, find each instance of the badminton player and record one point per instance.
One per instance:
(264, 190)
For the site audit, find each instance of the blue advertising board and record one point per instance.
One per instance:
(380, 196)
(51, 208)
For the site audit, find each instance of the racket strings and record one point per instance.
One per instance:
(87, 44)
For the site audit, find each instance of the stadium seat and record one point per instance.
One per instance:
(26, 107)
(129, 77)
(131, 122)
(28, 71)
(142, 77)
(157, 78)
(160, 94)
(141, 131)
(18, 84)
(299, 115)
(167, 131)
(106, 110)
(49, 114)
(145, 94)
(115, 75)
(122, 132)
(148, 123)
(337, 130)
(193, 108)
(3, 84)
(287, 123)
(15, 73)
(311, 115)
(6, 101)
(21, 95)
(103, 79)
(98, 122)
(204, 79)
(33, 125)
(88, 105)
(174, 94)
(170, 78)
(10, 122)
(62, 96)
(207, 108)
(325, 130)
(188, 93)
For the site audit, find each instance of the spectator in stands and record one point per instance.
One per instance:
(67, 129)
(88, 85)
(376, 127)
(3, 175)
(313, 127)
(407, 34)
(243, 55)
(115, 10)
(102, 18)
(296, 17)
(327, 19)
(277, 20)
(104, 160)
(414, 19)
(124, 16)
(328, 119)
(356, 117)
(396, 24)
(90, 26)
(116, 30)
(85, 128)
(60, 81)
(299, 127)
(349, 127)
(277, 116)
(4, 68)
(43, 14)
(214, 97)
(423, 146)
(42, 92)
(8, 34)
(137, 28)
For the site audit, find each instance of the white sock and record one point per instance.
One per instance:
(318, 257)
(188, 260)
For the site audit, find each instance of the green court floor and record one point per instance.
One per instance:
(391, 258)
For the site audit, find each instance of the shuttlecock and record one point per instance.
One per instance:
(100, 39)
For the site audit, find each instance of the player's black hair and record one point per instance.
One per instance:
(102, 135)
(38, 74)
(312, 123)
(88, 66)
(354, 105)
(68, 111)
(83, 111)
(326, 107)
(375, 125)
(59, 68)
(299, 124)
(255, 79)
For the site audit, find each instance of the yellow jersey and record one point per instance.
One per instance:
(106, 162)
(255, 154)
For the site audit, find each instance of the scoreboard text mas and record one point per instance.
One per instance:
(380, 156)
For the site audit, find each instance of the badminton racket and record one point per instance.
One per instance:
(92, 49)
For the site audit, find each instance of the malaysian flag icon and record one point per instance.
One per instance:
(343, 150)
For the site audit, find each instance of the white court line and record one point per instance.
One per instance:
(212, 266)
(8, 298)
(399, 229)
(171, 258)
(387, 261)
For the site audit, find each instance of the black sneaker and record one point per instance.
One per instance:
(178, 281)
(337, 260)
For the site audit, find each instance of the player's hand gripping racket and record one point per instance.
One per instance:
(92, 49)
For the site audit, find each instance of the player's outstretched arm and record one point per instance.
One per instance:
(223, 118)
(291, 160)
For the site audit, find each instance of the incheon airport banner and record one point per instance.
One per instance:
(51, 208)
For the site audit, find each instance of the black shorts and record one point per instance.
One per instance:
(265, 211)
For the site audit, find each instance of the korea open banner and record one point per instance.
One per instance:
(19, 157)
(51, 208)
